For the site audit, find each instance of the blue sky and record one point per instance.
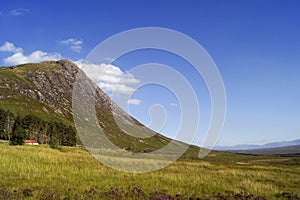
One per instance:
(255, 45)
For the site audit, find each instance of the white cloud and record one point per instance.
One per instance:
(134, 101)
(10, 47)
(36, 56)
(173, 104)
(18, 57)
(109, 78)
(116, 88)
(73, 43)
(19, 11)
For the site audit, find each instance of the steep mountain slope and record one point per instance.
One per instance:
(45, 90)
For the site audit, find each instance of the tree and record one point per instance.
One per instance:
(54, 143)
(18, 136)
(69, 136)
(6, 124)
(10, 124)
(34, 128)
(3, 116)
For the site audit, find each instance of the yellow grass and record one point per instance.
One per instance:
(72, 171)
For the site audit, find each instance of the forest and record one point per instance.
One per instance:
(16, 129)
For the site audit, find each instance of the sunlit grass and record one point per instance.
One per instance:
(72, 171)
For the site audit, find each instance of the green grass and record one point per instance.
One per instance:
(73, 173)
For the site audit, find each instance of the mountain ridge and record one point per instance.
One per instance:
(284, 151)
(253, 146)
(45, 90)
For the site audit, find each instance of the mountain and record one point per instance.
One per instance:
(43, 91)
(285, 151)
(267, 145)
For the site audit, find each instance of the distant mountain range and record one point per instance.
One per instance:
(252, 146)
(286, 151)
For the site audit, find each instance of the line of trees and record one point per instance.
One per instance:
(16, 129)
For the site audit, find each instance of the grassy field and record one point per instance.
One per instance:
(39, 172)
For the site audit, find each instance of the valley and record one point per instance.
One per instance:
(39, 172)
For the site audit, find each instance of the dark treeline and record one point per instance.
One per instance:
(16, 129)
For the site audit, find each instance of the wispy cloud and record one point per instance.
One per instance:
(73, 43)
(10, 47)
(134, 101)
(19, 11)
(173, 104)
(109, 59)
(109, 77)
